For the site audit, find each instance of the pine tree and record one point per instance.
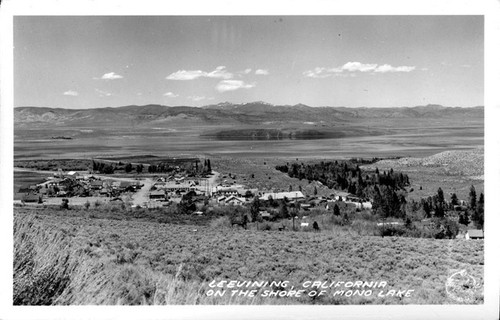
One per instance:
(283, 211)
(478, 215)
(128, 167)
(454, 199)
(472, 198)
(254, 209)
(464, 218)
(139, 168)
(336, 210)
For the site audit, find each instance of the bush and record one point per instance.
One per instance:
(43, 263)
(221, 222)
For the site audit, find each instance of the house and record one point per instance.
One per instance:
(265, 215)
(181, 187)
(96, 184)
(72, 174)
(291, 195)
(305, 206)
(474, 234)
(157, 195)
(226, 191)
(361, 205)
(235, 200)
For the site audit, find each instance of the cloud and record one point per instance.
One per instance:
(353, 67)
(358, 66)
(231, 85)
(262, 72)
(70, 93)
(170, 95)
(247, 71)
(388, 68)
(103, 93)
(219, 73)
(111, 76)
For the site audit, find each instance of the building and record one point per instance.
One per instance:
(265, 215)
(224, 191)
(157, 195)
(96, 184)
(474, 234)
(181, 187)
(72, 174)
(235, 200)
(291, 196)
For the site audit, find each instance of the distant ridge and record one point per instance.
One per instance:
(252, 113)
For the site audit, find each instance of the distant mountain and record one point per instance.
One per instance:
(226, 113)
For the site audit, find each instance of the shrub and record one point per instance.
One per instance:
(221, 222)
(43, 263)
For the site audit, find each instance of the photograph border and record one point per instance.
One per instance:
(489, 8)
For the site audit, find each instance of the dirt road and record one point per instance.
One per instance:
(142, 195)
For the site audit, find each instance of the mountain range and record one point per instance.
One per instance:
(226, 113)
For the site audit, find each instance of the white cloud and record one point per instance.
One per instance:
(70, 93)
(170, 95)
(111, 76)
(262, 72)
(231, 85)
(103, 93)
(247, 71)
(185, 75)
(358, 66)
(219, 73)
(388, 68)
(353, 67)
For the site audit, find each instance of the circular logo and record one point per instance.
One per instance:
(461, 287)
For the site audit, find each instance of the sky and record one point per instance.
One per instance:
(354, 61)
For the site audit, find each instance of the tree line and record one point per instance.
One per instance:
(348, 176)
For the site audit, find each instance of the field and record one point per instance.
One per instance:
(85, 259)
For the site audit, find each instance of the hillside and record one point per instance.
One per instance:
(453, 162)
(255, 113)
(91, 260)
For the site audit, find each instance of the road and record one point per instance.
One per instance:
(142, 195)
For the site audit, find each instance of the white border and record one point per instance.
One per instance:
(488, 8)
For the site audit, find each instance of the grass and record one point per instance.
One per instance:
(74, 259)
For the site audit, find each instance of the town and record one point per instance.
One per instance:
(190, 186)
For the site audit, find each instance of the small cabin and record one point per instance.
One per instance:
(474, 234)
